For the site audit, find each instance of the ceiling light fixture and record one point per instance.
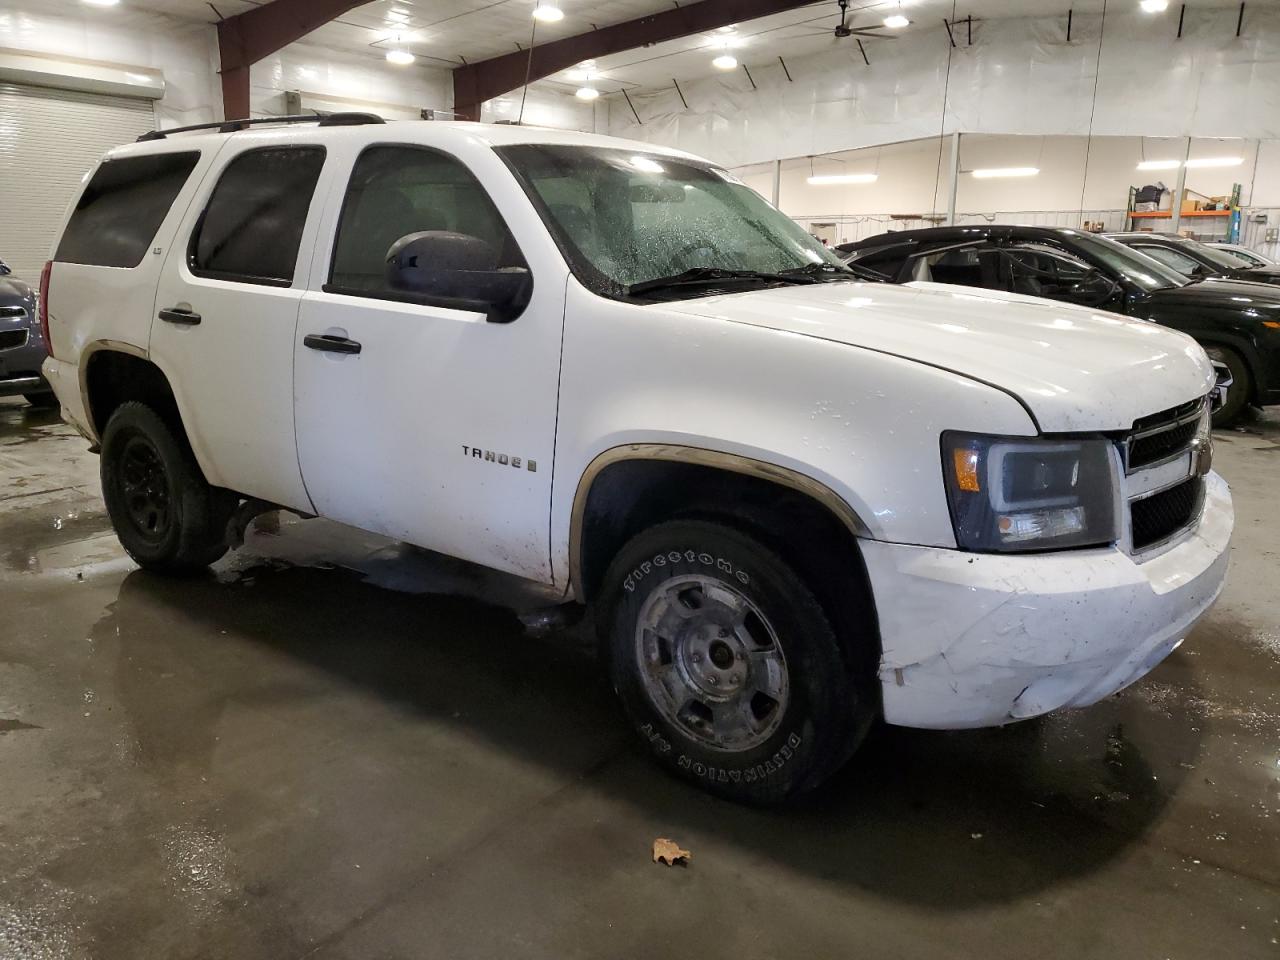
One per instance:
(401, 58)
(1159, 164)
(724, 62)
(1006, 172)
(1154, 6)
(1216, 162)
(102, 3)
(824, 180)
(548, 13)
(587, 93)
(896, 21)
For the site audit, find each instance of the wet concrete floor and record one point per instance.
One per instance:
(335, 747)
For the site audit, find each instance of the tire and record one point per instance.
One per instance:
(167, 517)
(759, 713)
(42, 401)
(1239, 393)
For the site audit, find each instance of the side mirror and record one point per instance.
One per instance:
(4, 269)
(447, 269)
(1201, 270)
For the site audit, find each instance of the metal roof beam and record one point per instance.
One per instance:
(251, 36)
(475, 83)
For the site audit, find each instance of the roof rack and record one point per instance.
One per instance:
(231, 126)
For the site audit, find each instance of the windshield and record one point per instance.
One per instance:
(624, 218)
(1219, 258)
(1137, 268)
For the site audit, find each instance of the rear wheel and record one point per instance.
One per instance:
(1240, 391)
(168, 518)
(727, 665)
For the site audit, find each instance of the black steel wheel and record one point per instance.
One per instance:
(167, 516)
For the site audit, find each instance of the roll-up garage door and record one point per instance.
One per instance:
(48, 140)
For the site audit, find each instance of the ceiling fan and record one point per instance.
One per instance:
(843, 29)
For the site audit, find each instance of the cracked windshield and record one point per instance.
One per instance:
(647, 224)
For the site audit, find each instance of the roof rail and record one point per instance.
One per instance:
(231, 126)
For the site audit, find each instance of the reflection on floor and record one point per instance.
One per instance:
(333, 746)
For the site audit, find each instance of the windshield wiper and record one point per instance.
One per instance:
(698, 276)
(830, 271)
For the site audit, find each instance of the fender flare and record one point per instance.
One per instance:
(699, 456)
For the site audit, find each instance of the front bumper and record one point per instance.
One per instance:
(20, 370)
(976, 640)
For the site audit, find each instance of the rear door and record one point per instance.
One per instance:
(227, 308)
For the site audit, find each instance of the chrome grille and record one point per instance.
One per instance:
(9, 339)
(1164, 462)
(12, 313)
(1162, 436)
(1158, 517)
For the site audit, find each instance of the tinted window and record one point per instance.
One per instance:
(1036, 271)
(253, 224)
(395, 191)
(121, 209)
(1170, 258)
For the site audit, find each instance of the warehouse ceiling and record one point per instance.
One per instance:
(447, 33)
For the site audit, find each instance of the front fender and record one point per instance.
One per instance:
(861, 425)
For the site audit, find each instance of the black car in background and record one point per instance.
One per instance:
(1195, 260)
(1238, 323)
(22, 346)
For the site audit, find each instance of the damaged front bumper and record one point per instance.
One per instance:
(976, 640)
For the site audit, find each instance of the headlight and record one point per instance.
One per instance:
(1009, 494)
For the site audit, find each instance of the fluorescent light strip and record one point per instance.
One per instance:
(834, 178)
(1216, 162)
(1159, 164)
(1006, 172)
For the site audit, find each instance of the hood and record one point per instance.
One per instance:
(1259, 274)
(1221, 292)
(13, 292)
(1075, 369)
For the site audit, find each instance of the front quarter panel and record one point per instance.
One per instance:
(866, 425)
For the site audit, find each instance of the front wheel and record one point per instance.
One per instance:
(167, 516)
(1238, 393)
(727, 665)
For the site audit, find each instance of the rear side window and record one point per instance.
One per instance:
(121, 209)
(252, 227)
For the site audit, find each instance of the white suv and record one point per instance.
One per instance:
(797, 499)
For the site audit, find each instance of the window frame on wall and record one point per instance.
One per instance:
(511, 245)
(197, 231)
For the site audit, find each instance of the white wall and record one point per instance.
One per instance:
(360, 80)
(1020, 75)
(187, 53)
(184, 51)
(544, 106)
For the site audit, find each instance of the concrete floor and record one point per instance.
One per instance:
(318, 751)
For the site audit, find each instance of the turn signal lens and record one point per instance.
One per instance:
(966, 467)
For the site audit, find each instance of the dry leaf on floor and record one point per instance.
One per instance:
(669, 852)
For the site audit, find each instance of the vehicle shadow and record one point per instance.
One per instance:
(948, 820)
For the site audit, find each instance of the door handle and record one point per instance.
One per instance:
(185, 318)
(330, 344)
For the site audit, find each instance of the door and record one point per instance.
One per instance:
(227, 309)
(440, 430)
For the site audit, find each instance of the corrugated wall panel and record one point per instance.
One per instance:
(48, 140)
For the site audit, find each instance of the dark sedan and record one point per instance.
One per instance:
(22, 346)
(1238, 323)
(1195, 260)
